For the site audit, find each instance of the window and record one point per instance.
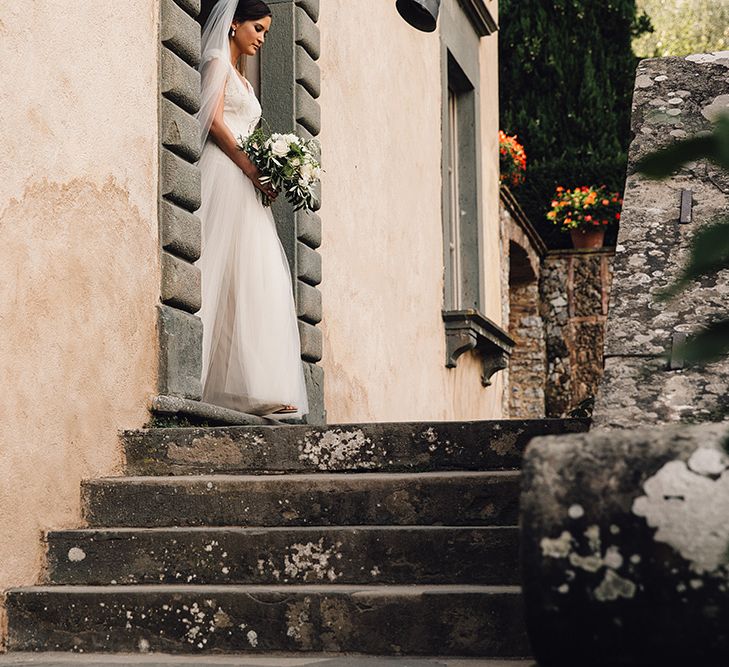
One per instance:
(461, 210)
(463, 23)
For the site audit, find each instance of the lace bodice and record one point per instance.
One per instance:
(242, 110)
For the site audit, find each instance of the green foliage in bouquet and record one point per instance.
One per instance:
(288, 162)
(710, 245)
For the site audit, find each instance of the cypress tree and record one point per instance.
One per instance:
(566, 81)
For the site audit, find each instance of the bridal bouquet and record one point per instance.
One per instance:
(289, 163)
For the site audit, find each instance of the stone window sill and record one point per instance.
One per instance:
(470, 330)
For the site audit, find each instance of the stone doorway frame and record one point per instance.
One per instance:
(289, 105)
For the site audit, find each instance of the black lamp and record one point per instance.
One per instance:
(421, 14)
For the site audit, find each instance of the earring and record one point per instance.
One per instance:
(232, 32)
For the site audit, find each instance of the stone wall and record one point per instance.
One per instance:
(674, 97)
(575, 289)
(522, 252)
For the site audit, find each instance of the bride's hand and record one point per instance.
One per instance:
(266, 188)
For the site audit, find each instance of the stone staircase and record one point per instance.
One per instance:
(381, 539)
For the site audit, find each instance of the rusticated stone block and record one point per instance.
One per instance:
(308, 73)
(311, 7)
(180, 181)
(309, 229)
(192, 7)
(308, 264)
(311, 342)
(308, 112)
(181, 283)
(180, 231)
(180, 342)
(308, 303)
(314, 378)
(624, 543)
(307, 33)
(179, 82)
(179, 131)
(180, 32)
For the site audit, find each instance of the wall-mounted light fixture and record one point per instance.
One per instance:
(421, 14)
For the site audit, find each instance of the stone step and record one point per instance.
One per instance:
(454, 498)
(377, 620)
(348, 555)
(397, 447)
(259, 660)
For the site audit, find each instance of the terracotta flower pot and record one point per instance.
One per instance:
(588, 237)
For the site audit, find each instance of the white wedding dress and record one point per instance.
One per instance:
(251, 347)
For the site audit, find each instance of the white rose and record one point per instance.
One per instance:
(306, 172)
(316, 173)
(295, 162)
(280, 147)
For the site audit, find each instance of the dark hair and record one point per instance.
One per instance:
(251, 10)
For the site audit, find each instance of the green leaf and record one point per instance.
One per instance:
(709, 254)
(664, 162)
(708, 345)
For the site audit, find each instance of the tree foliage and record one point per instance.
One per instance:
(567, 71)
(682, 27)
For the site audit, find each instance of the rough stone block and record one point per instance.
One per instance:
(311, 342)
(641, 323)
(179, 131)
(181, 283)
(308, 112)
(303, 132)
(307, 33)
(308, 303)
(639, 390)
(587, 286)
(180, 344)
(309, 264)
(180, 181)
(180, 231)
(624, 543)
(179, 82)
(180, 32)
(192, 7)
(308, 73)
(311, 7)
(308, 227)
(314, 378)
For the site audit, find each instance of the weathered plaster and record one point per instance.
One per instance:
(79, 277)
(384, 341)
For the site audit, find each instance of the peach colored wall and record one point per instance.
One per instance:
(382, 251)
(79, 274)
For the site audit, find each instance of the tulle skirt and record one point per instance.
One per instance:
(251, 347)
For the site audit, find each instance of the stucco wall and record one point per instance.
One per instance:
(384, 341)
(79, 275)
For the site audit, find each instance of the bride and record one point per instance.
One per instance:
(251, 347)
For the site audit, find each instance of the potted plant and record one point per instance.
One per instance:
(512, 160)
(585, 212)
